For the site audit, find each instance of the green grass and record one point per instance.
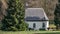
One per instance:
(30, 32)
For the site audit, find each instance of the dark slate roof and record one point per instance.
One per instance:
(35, 14)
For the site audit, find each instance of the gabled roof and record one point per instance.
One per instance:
(35, 14)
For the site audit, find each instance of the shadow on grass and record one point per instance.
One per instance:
(48, 33)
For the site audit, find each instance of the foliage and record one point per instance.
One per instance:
(15, 16)
(57, 15)
(3, 7)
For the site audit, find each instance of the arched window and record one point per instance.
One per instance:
(34, 25)
(43, 25)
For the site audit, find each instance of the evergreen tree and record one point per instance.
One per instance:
(15, 16)
(57, 15)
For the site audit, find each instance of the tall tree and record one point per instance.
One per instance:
(57, 15)
(15, 16)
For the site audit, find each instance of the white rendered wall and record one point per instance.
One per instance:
(38, 24)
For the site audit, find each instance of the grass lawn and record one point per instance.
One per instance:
(30, 32)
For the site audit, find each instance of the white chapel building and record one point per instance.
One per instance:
(36, 18)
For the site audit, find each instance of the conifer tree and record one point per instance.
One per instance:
(57, 15)
(15, 16)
